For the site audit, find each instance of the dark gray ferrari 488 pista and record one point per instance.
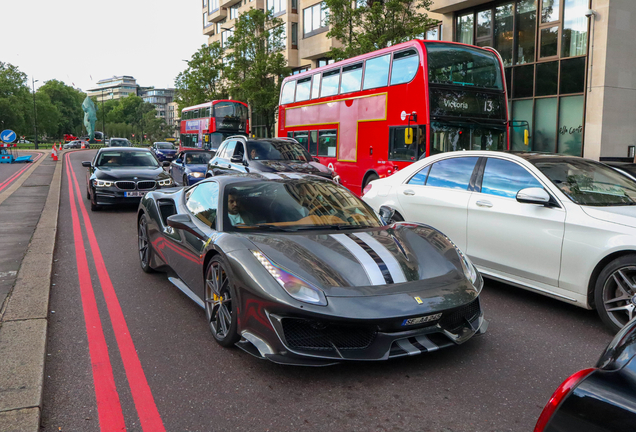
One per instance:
(297, 269)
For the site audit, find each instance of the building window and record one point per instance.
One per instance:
(465, 29)
(205, 3)
(294, 6)
(219, 26)
(225, 37)
(324, 61)
(213, 6)
(301, 69)
(276, 6)
(294, 35)
(315, 19)
(234, 12)
(205, 20)
(434, 33)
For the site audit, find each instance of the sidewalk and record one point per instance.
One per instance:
(29, 212)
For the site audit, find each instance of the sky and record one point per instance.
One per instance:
(81, 42)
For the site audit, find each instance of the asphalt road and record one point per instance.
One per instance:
(8, 171)
(496, 382)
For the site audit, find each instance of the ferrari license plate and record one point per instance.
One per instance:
(134, 194)
(422, 319)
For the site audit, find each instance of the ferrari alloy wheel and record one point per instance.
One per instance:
(145, 249)
(220, 308)
(615, 293)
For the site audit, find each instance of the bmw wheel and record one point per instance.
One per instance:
(145, 248)
(615, 292)
(220, 304)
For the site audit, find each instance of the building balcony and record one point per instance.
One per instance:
(228, 3)
(217, 15)
(447, 6)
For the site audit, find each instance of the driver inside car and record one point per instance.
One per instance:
(235, 209)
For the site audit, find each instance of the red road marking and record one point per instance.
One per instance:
(111, 417)
(16, 175)
(139, 388)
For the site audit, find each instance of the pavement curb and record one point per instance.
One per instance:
(24, 321)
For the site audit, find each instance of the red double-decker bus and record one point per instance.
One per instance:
(354, 114)
(206, 125)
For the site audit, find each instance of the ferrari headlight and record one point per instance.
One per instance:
(102, 183)
(166, 182)
(294, 286)
(196, 174)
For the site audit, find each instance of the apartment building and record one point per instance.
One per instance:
(114, 88)
(160, 98)
(174, 118)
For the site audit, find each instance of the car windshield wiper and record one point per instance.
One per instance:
(330, 227)
(268, 227)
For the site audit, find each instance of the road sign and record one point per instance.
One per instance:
(7, 136)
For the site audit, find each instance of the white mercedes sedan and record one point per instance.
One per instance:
(562, 226)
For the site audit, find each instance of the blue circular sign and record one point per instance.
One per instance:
(8, 136)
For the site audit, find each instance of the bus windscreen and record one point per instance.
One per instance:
(463, 66)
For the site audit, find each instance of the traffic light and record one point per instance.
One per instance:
(133, 135)
(145, 136)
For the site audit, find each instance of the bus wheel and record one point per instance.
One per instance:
(369, 179)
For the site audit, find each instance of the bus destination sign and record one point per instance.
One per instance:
(228, 123)
(454, 103)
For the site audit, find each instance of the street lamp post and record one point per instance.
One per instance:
(103, 115)
(35, 114)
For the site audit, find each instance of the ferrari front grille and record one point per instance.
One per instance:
(455, 320)
(146, 184)
(125, 185)
(317, 335)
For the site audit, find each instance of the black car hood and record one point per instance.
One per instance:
(105, 173)
(401, 258)
(290, 166)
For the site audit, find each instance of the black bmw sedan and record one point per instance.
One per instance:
(239, 154)
(298, 270)
(121, 175)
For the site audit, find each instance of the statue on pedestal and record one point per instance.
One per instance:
(90, 117)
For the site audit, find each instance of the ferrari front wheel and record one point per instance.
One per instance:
(145, 248)
(220, 303)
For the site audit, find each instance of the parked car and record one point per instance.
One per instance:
(238, 154)
(163, 151)
(561, 226)
(190, 166)
(299, 270)
(599, 399)
(626, 168)
(75, 144)
(119, 142)
(122, 175)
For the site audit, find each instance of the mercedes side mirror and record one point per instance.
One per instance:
(386, 213)
(533, 196)
(178, 161)
(316, 159)
(86, 164)
(236, 159)
(166, 163)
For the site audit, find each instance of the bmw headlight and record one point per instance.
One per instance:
(102, 183)
(294, 286)
(166, 182)
(196, 174)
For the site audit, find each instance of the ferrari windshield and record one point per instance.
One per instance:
(277, 150)
(293, 205)
(589, 183)
(126, 159)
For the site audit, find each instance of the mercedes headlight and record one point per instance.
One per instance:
(197, 174)
(294, 286)
(166, 182)
(102, 183)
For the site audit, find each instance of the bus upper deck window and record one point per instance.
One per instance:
(302, 89)
(405, 66)
(376, 72)
(288, 92)
(351, 78)
(315, 86)
(330, 83)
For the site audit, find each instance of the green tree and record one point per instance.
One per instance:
(364, 26)
(256, 65)
(15, 100)
(202, 81)
(68, 102)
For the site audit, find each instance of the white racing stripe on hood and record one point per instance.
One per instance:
(392, 264)
(370, 267)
